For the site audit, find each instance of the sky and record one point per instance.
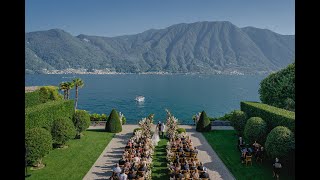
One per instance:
(120, 17)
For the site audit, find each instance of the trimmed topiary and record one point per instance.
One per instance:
(38, 143)
(62, 131)
(255, 130)
(81, 121)
(238, 120)
(181, 130)
(204, 123)
(113, 123)
(280, 142)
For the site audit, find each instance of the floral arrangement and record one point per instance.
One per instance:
(172, 125)
(146, 124)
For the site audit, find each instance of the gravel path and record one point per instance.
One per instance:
(209, 158)
(102, 168)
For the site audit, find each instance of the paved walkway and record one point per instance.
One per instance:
(102, 168)
(209, 158)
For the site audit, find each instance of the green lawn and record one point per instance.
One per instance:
(159, 170)
(224, 143)
(75, 161)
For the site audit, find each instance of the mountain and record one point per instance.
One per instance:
(201, 47)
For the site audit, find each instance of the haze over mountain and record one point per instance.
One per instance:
(201, 47)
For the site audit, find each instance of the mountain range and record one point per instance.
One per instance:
(217, 47)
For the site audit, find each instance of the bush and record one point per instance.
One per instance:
(62, 131)
(47, 93)
(204, 123)
(124, 120)
(113, 123)
(32, 99)
(136, 129)
(225, 117)
(238, 120)
(181, 130)
(272, 115)
(38, 143)
(81, 121)
(280, 142)
(94, 117)
(279, 86)
(43, 115)
(255, 130)
(103, 117)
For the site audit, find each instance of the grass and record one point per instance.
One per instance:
(159, 170)
(75, 161)
(224, 143)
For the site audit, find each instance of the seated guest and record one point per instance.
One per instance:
(177, 160)
(123, 176)
(194, 165)
(183, 155)
(186, 166)
(122, 162)
(116, 170)
(180, 149)
(187, 149)
(131, 175)
(195, 150)
(143, 167)
(204, 175)
(200, 167)
(179, 175)
(172, 176)
(136, 159)
(195, 175)
(243, 156)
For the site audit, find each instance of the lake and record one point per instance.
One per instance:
(183, 95)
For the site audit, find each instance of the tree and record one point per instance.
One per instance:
(62, 131)
(78, 83)
(278, 87)
(70, 85)
(63, 87)
(255, 130)
(280, 142)
(204, 123)
(238, 120)
(81, 121)
(113, 123)
(38, 143)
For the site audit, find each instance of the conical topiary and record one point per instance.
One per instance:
(204, 123)
(113, 123)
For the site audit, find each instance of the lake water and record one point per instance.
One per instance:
(183, 95)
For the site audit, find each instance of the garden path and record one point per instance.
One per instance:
(102, 168)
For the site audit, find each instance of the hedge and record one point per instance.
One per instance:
(273, 116)
(42, 95)
(42, 115)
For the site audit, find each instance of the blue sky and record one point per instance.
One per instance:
(119, 17)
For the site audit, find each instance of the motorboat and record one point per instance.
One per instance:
(139, 98)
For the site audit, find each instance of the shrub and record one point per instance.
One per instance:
(38, 143)
(255, 130)
(47, 93)
(279, 86)
(204, 123)
(62, 131)
(136, 129)
(272, 115)
(32, 98)
(238, 120)
(280, 142)
(103, 117)
(124, 120)
(181, 130)
(94, 117)
(227, 116)
(113, 123)
(43, 115)
(81, 121)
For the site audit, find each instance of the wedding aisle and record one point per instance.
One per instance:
(102, 168)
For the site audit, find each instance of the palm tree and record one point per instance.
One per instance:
(70, 85)
(63, 87)
(77, 83)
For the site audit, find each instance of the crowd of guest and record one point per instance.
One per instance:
(247, 151)
(183, 161)
(136, 159)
